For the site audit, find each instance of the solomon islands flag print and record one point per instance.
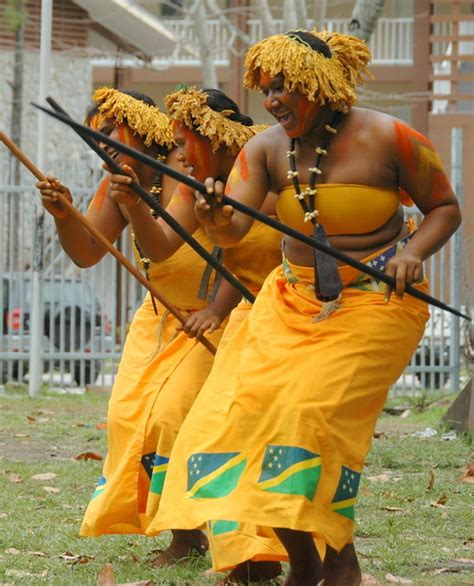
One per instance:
(214, 475)
(345, 498)
(290, 470)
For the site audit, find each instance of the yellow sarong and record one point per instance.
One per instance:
(285, 443)
(161, 372)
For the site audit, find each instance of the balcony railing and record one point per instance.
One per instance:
(391, 43)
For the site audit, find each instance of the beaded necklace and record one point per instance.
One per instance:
(328, 284)
(155, 192)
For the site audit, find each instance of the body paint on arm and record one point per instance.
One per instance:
(98, 199)
(240, 173)
(428, 182)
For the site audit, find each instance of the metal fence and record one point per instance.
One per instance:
(87, 312)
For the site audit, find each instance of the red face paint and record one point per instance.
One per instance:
(194, 151)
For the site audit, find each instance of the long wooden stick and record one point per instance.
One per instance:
(253, 213)
(20, 155)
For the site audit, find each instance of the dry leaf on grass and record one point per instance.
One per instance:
(25, 573)
(21, 435)
(468, 475)
(12, 551)
(73, 559)
(441, 502)
(3, 515)
(431, 480)
(44, 476)
(101, 426)
(88, 456)
(397, 579)
(107, 578)
(384, 477)
(38, 554)
(15, 478)
(464, 560)
(378, 434)
(393, 509)
(51, 489)
(368, 580)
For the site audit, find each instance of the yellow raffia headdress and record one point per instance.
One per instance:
(147, 121)
(327, 80)
(189, 106)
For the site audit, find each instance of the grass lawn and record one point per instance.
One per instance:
(415, 514)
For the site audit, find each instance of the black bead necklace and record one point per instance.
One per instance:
(328, 284)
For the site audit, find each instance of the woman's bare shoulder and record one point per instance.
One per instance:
(371, 123)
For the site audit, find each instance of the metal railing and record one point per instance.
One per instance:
(86, 312)
(390, 44)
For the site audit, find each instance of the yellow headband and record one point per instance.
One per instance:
(147, 121)
(189, 107)
(330, 80)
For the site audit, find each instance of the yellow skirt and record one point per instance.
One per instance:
(279, 433)
(160, 374)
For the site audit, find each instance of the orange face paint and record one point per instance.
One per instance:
(423, 167)
(194, 151)
(264, 78)
(125, 135)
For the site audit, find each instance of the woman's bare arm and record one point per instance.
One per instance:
(76, 241)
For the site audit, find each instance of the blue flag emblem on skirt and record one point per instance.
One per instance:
(213, 475)
(346, 493)
(290, 470)
(160, 467)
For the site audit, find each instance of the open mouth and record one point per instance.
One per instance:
(283, 117)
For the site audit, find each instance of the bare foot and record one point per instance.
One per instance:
(185, 544)
(342, 568)
(248, 572)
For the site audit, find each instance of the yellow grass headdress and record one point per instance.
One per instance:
(325, 79)
(147, 121)
(189, 106)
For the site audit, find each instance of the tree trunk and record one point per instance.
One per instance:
(319, 13)
(301, 14)
(209, 75)
(289, 15)
(364, 18)
(265, 15)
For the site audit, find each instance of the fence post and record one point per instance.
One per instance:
(36, 330)
(455, 264)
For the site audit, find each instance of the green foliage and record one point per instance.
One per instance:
(15, 14)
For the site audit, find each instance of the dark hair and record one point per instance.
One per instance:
(139, 96)
(218, 101)
(314, 42)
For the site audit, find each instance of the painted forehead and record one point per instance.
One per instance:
(266, 78)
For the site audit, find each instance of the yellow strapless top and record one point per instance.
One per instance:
(255, 256)
(343, 208)
(179, 276)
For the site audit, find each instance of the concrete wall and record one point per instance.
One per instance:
(70, 85)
